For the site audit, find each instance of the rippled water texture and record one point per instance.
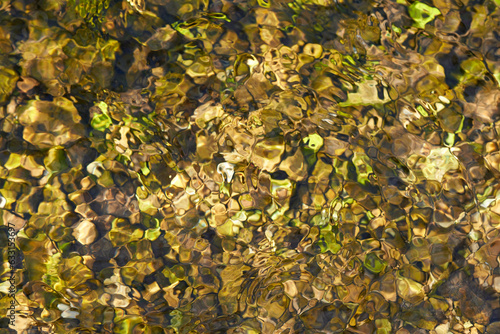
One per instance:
(261, 166)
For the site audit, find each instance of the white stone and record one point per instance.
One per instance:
(226, 169)
(95, 168)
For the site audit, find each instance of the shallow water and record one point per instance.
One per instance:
(309, 166)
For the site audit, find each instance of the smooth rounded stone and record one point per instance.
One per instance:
(85, 232)
(50, 123)
(267, 153)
